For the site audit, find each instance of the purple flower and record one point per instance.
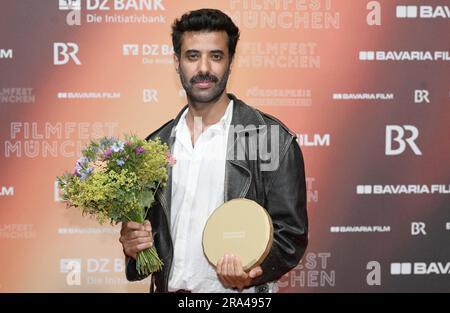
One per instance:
(117, 146)
(81, 161)
(107, 153)
(86, 173)
(78, 167)
(139, 150)
(120, 162)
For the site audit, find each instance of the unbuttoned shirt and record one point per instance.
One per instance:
(198, 188)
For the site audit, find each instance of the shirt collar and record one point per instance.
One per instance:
(225, 120)
(222, 124)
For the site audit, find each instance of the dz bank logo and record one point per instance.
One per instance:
(64, 52)
(374, 15)
(74, 6)
(70, 4)
(397, 133)
(72, 268)
(373, 278)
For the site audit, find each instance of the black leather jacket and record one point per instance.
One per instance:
(278, 185)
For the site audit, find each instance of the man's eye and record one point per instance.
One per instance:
(192, 56)
(216, 57)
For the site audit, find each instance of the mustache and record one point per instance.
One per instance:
(204, 78)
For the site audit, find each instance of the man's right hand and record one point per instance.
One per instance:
(136, 237)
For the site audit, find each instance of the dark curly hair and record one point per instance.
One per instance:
(205, 20)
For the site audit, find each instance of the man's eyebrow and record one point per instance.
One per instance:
(197, 51)
(192, 51)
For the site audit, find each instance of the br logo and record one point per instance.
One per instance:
(397, 133)
(64, 52)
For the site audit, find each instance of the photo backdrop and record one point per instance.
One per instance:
(364, 85)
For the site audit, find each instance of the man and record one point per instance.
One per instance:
(203, 139)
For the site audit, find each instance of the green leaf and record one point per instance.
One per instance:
(146, 198)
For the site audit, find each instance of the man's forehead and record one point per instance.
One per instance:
(204, 40)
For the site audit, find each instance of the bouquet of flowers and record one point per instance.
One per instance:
(116, 181)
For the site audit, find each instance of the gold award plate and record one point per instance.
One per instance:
(241, 227)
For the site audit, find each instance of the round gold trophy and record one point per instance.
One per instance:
(241, 227)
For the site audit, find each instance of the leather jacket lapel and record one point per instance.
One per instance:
(164, 194)
(238, 177)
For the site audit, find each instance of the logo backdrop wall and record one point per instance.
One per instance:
(365, 85)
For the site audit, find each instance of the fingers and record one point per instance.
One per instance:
(221, 270)
(147, 226)
(142, 246)
(230, 272)
(133, 247)
(137, 234)
(138, 241)
(255, 272)
(133, 251)
(224, 271)
(132, 229)
(133, 225)
(240, 277)
(230, 266)
(219, 266)
(239, 271)
(136, 237)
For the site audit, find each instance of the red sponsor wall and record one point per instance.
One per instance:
(364, 84)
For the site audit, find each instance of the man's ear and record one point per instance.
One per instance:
(176, 62)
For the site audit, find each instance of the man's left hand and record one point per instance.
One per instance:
(231, 274)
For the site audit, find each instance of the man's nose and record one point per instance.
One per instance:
(204, 66)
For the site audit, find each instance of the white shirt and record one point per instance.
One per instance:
(198, 179)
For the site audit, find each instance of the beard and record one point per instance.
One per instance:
(209, 95)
